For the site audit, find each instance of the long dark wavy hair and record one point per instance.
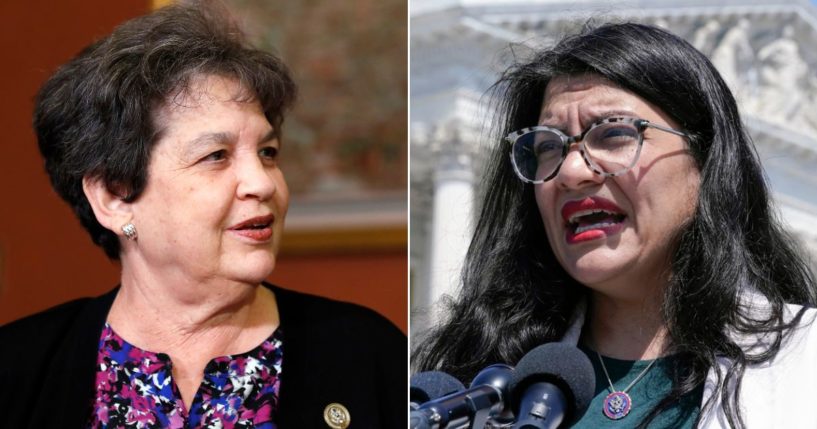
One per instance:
(514, 293)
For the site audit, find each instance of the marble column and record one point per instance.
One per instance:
(451, 218)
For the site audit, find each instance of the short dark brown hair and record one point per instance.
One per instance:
(95, 116)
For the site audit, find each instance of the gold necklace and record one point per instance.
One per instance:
(617, 404)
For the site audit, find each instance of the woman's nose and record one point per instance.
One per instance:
(576, 172)
(254, 180)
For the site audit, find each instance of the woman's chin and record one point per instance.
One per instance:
(593, 273)
(251, 268)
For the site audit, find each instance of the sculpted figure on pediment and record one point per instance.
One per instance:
(808, 114)
(734, 58)
(783, 79)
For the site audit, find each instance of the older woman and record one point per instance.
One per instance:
(164, 138)
(627, 213)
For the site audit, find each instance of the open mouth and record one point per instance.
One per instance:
(591, 218)
(259, 222)
(583, 221)
(257, 229)
(255, 226)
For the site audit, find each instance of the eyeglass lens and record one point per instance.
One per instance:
(609, 147)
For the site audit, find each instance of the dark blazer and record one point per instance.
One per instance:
(334, 352)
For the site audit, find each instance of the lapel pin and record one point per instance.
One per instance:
(336, 416)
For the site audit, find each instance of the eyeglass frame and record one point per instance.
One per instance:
(567, 141)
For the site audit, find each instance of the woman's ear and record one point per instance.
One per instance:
(110, 209)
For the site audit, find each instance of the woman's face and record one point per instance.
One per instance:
(628, 246)
(215, 201)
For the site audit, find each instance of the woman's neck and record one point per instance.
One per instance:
(628, 330)
(192, 323)
(163, 312)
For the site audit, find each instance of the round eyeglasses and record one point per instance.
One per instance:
(610, 147)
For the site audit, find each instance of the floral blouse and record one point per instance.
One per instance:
(135, 388)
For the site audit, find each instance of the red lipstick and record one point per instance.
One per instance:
(591, 218)
(258, 228)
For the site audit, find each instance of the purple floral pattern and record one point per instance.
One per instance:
(135, 389)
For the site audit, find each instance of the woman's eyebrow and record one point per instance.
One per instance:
(604, 114)
(589, 118)
(191, 149)
(271, 135)
(222, 137)
(211, 137)
(601, 115)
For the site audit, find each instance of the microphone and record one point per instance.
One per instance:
(551, 384)
(468, 408)
(499, 376)
(429, 385)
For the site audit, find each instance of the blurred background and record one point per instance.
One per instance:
(763, 48)
(345, 152)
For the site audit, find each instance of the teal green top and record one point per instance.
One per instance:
(645, 394)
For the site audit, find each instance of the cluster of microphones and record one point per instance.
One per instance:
(550, 386)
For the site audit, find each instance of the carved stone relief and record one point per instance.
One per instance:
(768, 75)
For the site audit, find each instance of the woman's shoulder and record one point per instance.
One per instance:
(778, 392)
(34, 362)
(47, 323)
(339, 352)
(44, 333)
(337, 317)
(804, 331)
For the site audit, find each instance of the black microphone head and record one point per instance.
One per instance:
(499, 376)
(429, 385)
(560, 364)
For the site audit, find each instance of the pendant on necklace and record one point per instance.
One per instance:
(617, 405)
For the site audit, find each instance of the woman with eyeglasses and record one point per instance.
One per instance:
(627, 213)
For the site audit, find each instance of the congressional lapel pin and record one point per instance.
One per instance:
(336, 416)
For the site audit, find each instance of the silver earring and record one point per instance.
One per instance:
(129, 229)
